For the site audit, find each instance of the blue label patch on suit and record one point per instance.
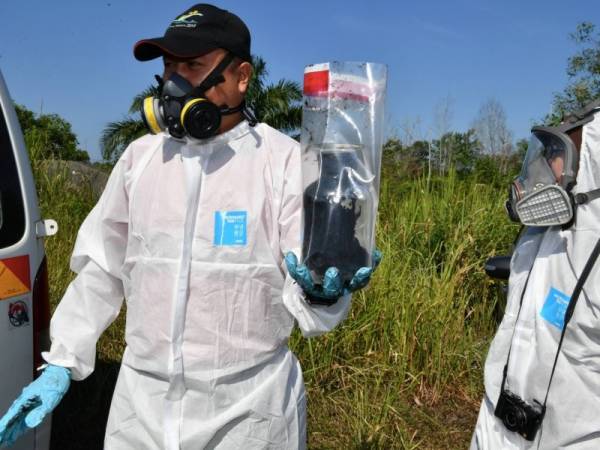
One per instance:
(230, 228)
(555, 307)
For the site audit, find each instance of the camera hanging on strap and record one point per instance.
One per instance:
(516, 414)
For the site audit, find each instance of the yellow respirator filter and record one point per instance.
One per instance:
(150, 115)
(187, 107)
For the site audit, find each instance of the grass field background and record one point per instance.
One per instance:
(403, 371)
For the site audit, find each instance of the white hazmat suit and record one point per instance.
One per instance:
(552, 259)
(192, 235)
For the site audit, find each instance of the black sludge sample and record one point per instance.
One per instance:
(332, 207)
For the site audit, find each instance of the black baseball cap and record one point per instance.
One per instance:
(197, 31)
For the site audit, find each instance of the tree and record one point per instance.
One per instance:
(405, 160)
(391, 151)
(26, 117)
(521, 149)
(278, 105)
(417, 149)
(443, 121)
(492, 132)
(455, 150)
(583, 70)
(53, 134)
(463, 149)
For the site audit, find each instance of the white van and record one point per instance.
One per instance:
(24, 303)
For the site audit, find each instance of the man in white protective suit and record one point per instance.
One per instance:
(542, 374)
(192, 230)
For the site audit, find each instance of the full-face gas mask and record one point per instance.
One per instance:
(541, 195)
(182, 109)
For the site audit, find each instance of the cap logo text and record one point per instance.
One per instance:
(185, 20)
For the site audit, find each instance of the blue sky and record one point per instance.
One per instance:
(75, 58)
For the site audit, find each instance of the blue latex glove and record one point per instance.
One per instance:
(333, 286)
(39, 398)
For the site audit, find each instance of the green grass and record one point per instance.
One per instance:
(404, 370)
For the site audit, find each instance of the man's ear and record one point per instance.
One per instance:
(244, 75)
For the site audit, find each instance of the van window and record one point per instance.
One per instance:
(12, 222)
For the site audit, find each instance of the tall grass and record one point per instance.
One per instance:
(405, 369)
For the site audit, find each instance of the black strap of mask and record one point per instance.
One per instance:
(226, 110)
(249, 115)
(160, 82)
(586, 197)
(214, 77)
(246, 112)
(568, 314)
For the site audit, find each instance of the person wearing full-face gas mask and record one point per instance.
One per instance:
(191, 230)
(542, 388)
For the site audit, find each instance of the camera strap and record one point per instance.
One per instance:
(571, 307)
(568, 314)
(505, 372)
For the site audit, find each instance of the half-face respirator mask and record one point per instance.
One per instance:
(182, 109)
(541, 195)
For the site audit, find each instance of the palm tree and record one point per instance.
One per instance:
(278, 105)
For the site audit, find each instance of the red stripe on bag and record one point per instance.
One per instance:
(350, 90)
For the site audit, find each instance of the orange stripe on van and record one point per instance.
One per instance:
(14, 277)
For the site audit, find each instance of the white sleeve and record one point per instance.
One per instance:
(313, 320)
(94, 298)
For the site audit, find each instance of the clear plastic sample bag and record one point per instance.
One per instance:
(341, 138)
